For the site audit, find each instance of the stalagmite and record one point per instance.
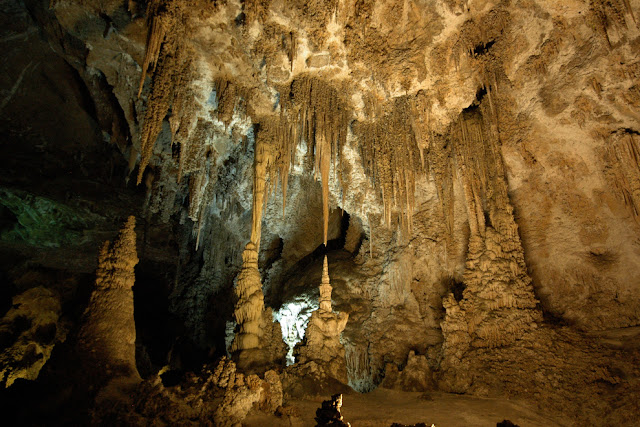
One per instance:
(495, 275)
(325, 288)
(106, 342)
(321, 344)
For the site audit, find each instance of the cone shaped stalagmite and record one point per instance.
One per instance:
(325, 288)
(321, 344)
(107, 338)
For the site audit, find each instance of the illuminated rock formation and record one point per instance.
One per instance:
(258, 340)
(107, 338)
(321, 345)
(29, 332)
(498, 304)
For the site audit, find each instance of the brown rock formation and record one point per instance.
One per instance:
(29, 331)
(498, 304)
(415, 376)
(321, 343)
(107, 338)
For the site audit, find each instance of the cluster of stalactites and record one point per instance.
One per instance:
(392, 157)
(622, 156)
(170, 59)
(312, 110)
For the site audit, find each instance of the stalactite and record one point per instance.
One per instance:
(622, 159)
(172, 59)
(391, 157)
(160, 20)
(312, 111)
(323, 119)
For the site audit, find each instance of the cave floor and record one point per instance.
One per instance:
(383, 407)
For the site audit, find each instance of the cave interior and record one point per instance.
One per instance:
(301, 212)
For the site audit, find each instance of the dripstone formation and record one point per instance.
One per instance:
(321, 344)
(107, 338)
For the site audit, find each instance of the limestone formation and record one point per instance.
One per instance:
(219, 394)
(107, 338)
(29, 331)
(471, 167)
(329, 413)
(415, 376)
(321, 343)
(498, 304)
(258, 340)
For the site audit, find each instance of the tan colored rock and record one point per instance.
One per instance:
(416, 375)
(250, 305)
(319, 60)
(33, 321)
(106, 341)
(321, 343)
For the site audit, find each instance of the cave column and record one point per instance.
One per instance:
(258, 341)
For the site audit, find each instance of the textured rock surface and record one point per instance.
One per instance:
(29, 332)
(321, 343)
(415, 376)
(107, 338)
(217, 395)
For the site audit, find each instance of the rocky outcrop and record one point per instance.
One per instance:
(106, 341)
(218, 394)
(28, 333)
(321, 343)
(329, 413)
(415, 376)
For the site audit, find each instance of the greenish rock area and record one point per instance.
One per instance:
(43, 222)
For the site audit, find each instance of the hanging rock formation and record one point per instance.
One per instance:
(498, 303)
(321, 345)
(107, 338)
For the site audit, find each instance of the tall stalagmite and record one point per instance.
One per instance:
(107, 338)
(321, 344)
(498, 304)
